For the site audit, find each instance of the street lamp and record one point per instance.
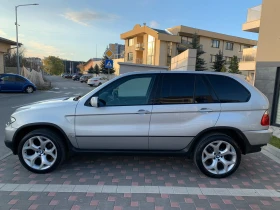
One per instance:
(22, 5)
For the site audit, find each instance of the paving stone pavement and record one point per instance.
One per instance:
(116, 182)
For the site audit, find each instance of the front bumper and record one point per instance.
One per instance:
(9, 135)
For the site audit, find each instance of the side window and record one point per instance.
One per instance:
(8, 78)
(128, 91)
(177, 89)
(19, 79)
(229, 90)
(202, 93)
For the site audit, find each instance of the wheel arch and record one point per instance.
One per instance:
(22, 131)
(234, 133)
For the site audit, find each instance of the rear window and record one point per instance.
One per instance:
(229, 90)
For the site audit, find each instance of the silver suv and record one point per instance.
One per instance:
(210, 117)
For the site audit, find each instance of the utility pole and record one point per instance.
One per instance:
(22, 5)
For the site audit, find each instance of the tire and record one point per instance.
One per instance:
(29, 89)
(55, 156)
(99, 84)
(207, 154)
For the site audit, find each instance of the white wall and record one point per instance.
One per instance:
(131, 67)
(184, 61)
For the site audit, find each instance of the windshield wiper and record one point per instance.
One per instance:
(77, 98)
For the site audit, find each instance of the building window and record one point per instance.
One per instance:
(213, 58)
(229, 46)
(130, 42)
(130, 56)
(215, 43)
(228, 60)
(186, 40)
(151, 50)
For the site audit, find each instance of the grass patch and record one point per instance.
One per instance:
(275, 142)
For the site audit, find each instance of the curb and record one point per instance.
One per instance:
(271, 152)
(4, 156)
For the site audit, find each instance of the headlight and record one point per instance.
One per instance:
(12, 120)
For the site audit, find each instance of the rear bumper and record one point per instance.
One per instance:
(257, 139)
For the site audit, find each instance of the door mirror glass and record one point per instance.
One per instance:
(94, 101)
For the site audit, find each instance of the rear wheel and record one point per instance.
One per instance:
(99, 84)
(217, 155)
(41, 151)
(29, 89)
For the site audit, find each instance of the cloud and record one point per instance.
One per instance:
(2, 33)
(86, 17)
(154, 24)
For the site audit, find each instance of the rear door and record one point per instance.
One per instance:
(185, 105)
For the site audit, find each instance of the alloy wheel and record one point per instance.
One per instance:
(39, 153)
(219, 157)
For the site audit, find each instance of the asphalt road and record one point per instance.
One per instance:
(9, 102)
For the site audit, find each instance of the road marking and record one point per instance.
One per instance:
(67, 93)
(65, 88)
(56, 88)
(138, 189)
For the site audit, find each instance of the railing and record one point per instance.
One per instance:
(254, 13)
(249, 54)
(139, 46)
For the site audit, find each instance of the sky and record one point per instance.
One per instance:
(74, 29)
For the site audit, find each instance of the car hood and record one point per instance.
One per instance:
(56, 102)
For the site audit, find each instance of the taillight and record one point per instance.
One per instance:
(95, 80)
(265, 119)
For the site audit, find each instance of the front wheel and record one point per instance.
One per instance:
(217, 155)
(41, 151)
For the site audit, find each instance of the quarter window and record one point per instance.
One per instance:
(215, 43)
(19, 79)
(229, 90)
(177, 89)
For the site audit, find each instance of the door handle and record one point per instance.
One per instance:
(205, 110)
(143, 111)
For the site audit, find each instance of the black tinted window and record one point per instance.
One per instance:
(20, 79)
(8, 78)
(202, 92)
(177, 89)
(229, 90)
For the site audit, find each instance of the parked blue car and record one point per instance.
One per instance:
(15, 83)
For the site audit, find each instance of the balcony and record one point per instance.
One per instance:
(139, 47)
(253, 20)
(248, 62)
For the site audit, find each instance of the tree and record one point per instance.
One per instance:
(219, 62)
(200, 62)
(11, 58)
(234, 66)
(104, 70)
(96, 69)
(224, 69)
(53, 65)
(91, 70)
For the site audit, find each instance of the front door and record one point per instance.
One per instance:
(122, 120)
(185, 105)
(8, 83)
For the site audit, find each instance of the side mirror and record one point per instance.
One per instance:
(94, 101)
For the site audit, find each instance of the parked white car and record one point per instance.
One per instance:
(96, 81)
